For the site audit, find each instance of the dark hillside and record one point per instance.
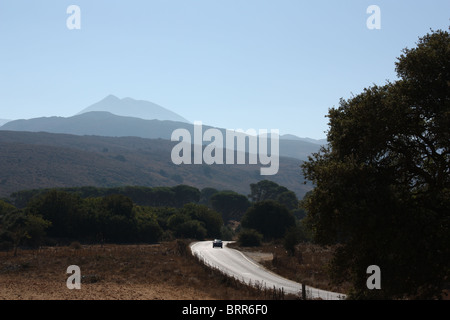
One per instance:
(44, 160)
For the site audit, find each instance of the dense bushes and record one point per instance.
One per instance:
(64, 217)
(269, 218)
(176, 196)
(250, 238)
(123, 215)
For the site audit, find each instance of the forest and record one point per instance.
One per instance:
(134, 214)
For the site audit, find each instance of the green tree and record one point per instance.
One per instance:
(6, 207)
(176, 220)
(185, 194)
(36, 227)
(211, 219)
(269, 218)
(117, 218)
(61, 208)
(20, 227)
(294, 236)
(226, 233)
(118, 205)
(161, 197)
(206, 194)
(163, 214)
(269, 190)
(382, 185)
(250, 238)
(15, 223)
(265, 190)
(148, 229)
(230, 204)
(192, 229)
(288, 199)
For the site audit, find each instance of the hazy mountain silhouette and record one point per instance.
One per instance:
(133, 108)
(3, 121)
(121, 147)
(293, 137)
(100, 123)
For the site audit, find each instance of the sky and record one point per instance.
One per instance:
(234, 64)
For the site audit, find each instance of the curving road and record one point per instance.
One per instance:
(236, 264)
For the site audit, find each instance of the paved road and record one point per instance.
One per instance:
(235, 263)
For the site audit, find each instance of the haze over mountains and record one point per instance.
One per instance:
(114, 117)
(125, 142)
(129, 107)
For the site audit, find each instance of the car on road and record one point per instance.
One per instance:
(217, 243)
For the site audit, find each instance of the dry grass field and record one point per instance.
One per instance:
(165, 271)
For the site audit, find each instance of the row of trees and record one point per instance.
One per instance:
(176, 196)
(61, 217)
(98, 215)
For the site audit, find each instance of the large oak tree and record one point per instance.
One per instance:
(382, 185)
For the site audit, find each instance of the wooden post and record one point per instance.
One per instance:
(303, 291)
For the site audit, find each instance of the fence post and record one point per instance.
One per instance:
(303, 291)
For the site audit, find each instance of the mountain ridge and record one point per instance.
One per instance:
(36, 160)
(120, 126)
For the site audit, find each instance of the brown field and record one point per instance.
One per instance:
(165, 271)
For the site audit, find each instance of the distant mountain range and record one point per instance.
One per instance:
(101, 119)
(125, 142)
(101, 123)
(114, 117)
(292, 137)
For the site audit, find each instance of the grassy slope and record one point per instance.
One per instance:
(44, 160)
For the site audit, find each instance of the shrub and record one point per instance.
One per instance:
(250, 238)
(269, 218)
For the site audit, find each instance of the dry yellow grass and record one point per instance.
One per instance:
(165, 271)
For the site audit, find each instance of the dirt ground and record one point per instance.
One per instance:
(114, 272)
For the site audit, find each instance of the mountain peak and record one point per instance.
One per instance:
(130, 107)
(110, 97)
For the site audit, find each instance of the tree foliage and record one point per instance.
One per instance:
(61, 208)
(18, 227)
(382, 185)
(250, 238)
(269, 190)
(176, 196)
(230, 204)
(113, 217)
(269, 218)
(210, 219)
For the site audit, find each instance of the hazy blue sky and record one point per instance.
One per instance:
(262, 64)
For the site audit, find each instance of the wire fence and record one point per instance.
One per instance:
(277, 293)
